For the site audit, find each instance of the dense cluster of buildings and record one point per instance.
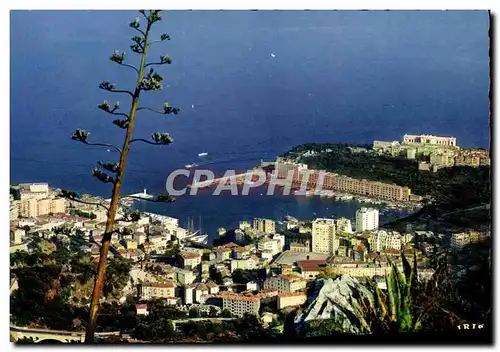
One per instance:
(298, 174)
(286, 255)
(433, 152)
(34, 199)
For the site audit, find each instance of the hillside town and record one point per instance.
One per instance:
(260, 261)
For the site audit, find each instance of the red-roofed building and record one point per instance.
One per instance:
(285, 283)
(240, 252)
(150, 290)
(141, 309)
(212, 287)
(238, 305)
(309, 269)
(291, 299)
(372, 256)
(190, 260)
(359, 252)
(270, 292)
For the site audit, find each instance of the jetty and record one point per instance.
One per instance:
(141, 195)
(240, 179)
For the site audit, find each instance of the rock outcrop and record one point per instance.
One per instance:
(341, 301)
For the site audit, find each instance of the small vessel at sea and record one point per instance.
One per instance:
(189, 166)
(202, 154)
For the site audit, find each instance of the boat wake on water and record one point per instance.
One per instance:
(210, 159)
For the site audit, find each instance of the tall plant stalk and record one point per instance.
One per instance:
(145, 82)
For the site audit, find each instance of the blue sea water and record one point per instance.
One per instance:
(336, 76)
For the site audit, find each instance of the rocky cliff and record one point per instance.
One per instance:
(339, 303)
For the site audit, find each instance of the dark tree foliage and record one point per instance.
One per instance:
(48, 278)
(194, 312)
(241, 276)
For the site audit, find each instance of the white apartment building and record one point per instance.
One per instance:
(14, 210)
(179, 233)
(285, 283)
(244, 264)
(238, 305)
(343, 225)
(366, 219)
(323, 236)
(157, 290)
(291, 299)
(264, 225)
(185, 277)
(281, 240)
(33, 190)
(222, 254)
(188, 294)
(252, 286)
(271, 245)
(17, 236)
(429, 139)
(381, 240)
(33, 207)
(190, 260)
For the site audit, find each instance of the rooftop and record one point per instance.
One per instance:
(310, 264)
(291, 277)
(190, 255)
(289, 257)
(291, 294)
(231, 245)
(239, 249)
(168, 284)
(241, 297)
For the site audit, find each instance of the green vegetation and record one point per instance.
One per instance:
(241, 276)
(453, 187)
(173, 249)
(269, 304)
(194, 313)
(225, 314)
(55, 283)
(396, 308)
(83, 214)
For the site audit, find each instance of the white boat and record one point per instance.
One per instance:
(189, 166)
(272, 55)
(202, 154)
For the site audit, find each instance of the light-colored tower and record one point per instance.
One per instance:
(366, 219)
(323, 236)
(343, 225)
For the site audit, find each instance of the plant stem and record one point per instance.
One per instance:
(101, 268)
